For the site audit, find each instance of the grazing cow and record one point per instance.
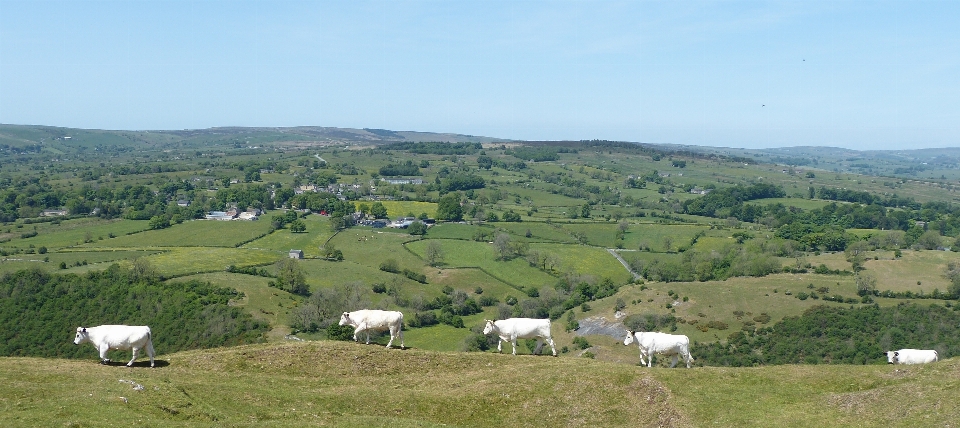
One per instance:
(122, 337)
(652, 343)
(365, 320)
(512, 329)
(912, 356)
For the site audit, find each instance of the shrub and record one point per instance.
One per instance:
(581, 342)
(339, 332)
(390, 265)
(718, 325)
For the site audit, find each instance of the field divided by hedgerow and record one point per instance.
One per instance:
(196, 233)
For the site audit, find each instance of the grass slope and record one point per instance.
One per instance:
(346, 384)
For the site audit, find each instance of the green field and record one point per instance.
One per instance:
(330, 383)
(196, 233)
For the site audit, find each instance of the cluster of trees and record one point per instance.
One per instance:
(39, 312)
(836, 335)
(536, 154)
(436, 148)
(733, 260)
(406, 169)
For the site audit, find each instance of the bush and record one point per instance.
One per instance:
(423, 319)
(581, 342)
(718, 325)
(390, 265)
(339, 332)
(379, 288)
(419, 277)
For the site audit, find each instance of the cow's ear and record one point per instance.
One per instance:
(84, 329)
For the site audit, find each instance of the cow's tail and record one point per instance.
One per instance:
(150, 351)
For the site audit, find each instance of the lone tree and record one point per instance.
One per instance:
(503, 245)
(866, 283)
(290, 277)
(433, 253)
(298, 226)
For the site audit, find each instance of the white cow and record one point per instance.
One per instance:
(652, 343)
(365, 320)
(512, 329)
(912, 356)
(122, 337)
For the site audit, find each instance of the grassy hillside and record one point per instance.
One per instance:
(347, 384)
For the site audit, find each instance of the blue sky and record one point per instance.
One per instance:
(843, 73)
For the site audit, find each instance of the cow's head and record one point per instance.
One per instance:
(892, 357)
(345, 318)
(630, 337)
(82, 336)
(488, 327)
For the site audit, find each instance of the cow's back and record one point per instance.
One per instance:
(376, 319)
(660, 342)
(524, 327)
(123, 336)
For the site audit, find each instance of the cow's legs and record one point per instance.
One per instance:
(539, 346)
(134, 358)
(500, 345)
(103, 354)
(674, 363)
(513, 341)
(552, 346)
(392, 334)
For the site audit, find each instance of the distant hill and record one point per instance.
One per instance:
(935, 164)
(57, 140)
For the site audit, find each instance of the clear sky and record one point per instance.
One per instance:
(847, 73)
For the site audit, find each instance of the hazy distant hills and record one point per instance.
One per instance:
(938, 164)
(59, 139)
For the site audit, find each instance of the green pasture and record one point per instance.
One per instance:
(440, 337)
(467, 280)
(535, 192)
(586, 260)
(371, 247)
(326, 274)
(73, 232)
(654, 235)
(916, 270)
(195, 233)
(714, 243)
(75, 261)
(515, 272)
(191, 260)
(397, 209)
(310, 241)
(451, 231)
(539, 231)
(804, 204)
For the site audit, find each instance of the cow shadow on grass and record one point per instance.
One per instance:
(140, 364)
